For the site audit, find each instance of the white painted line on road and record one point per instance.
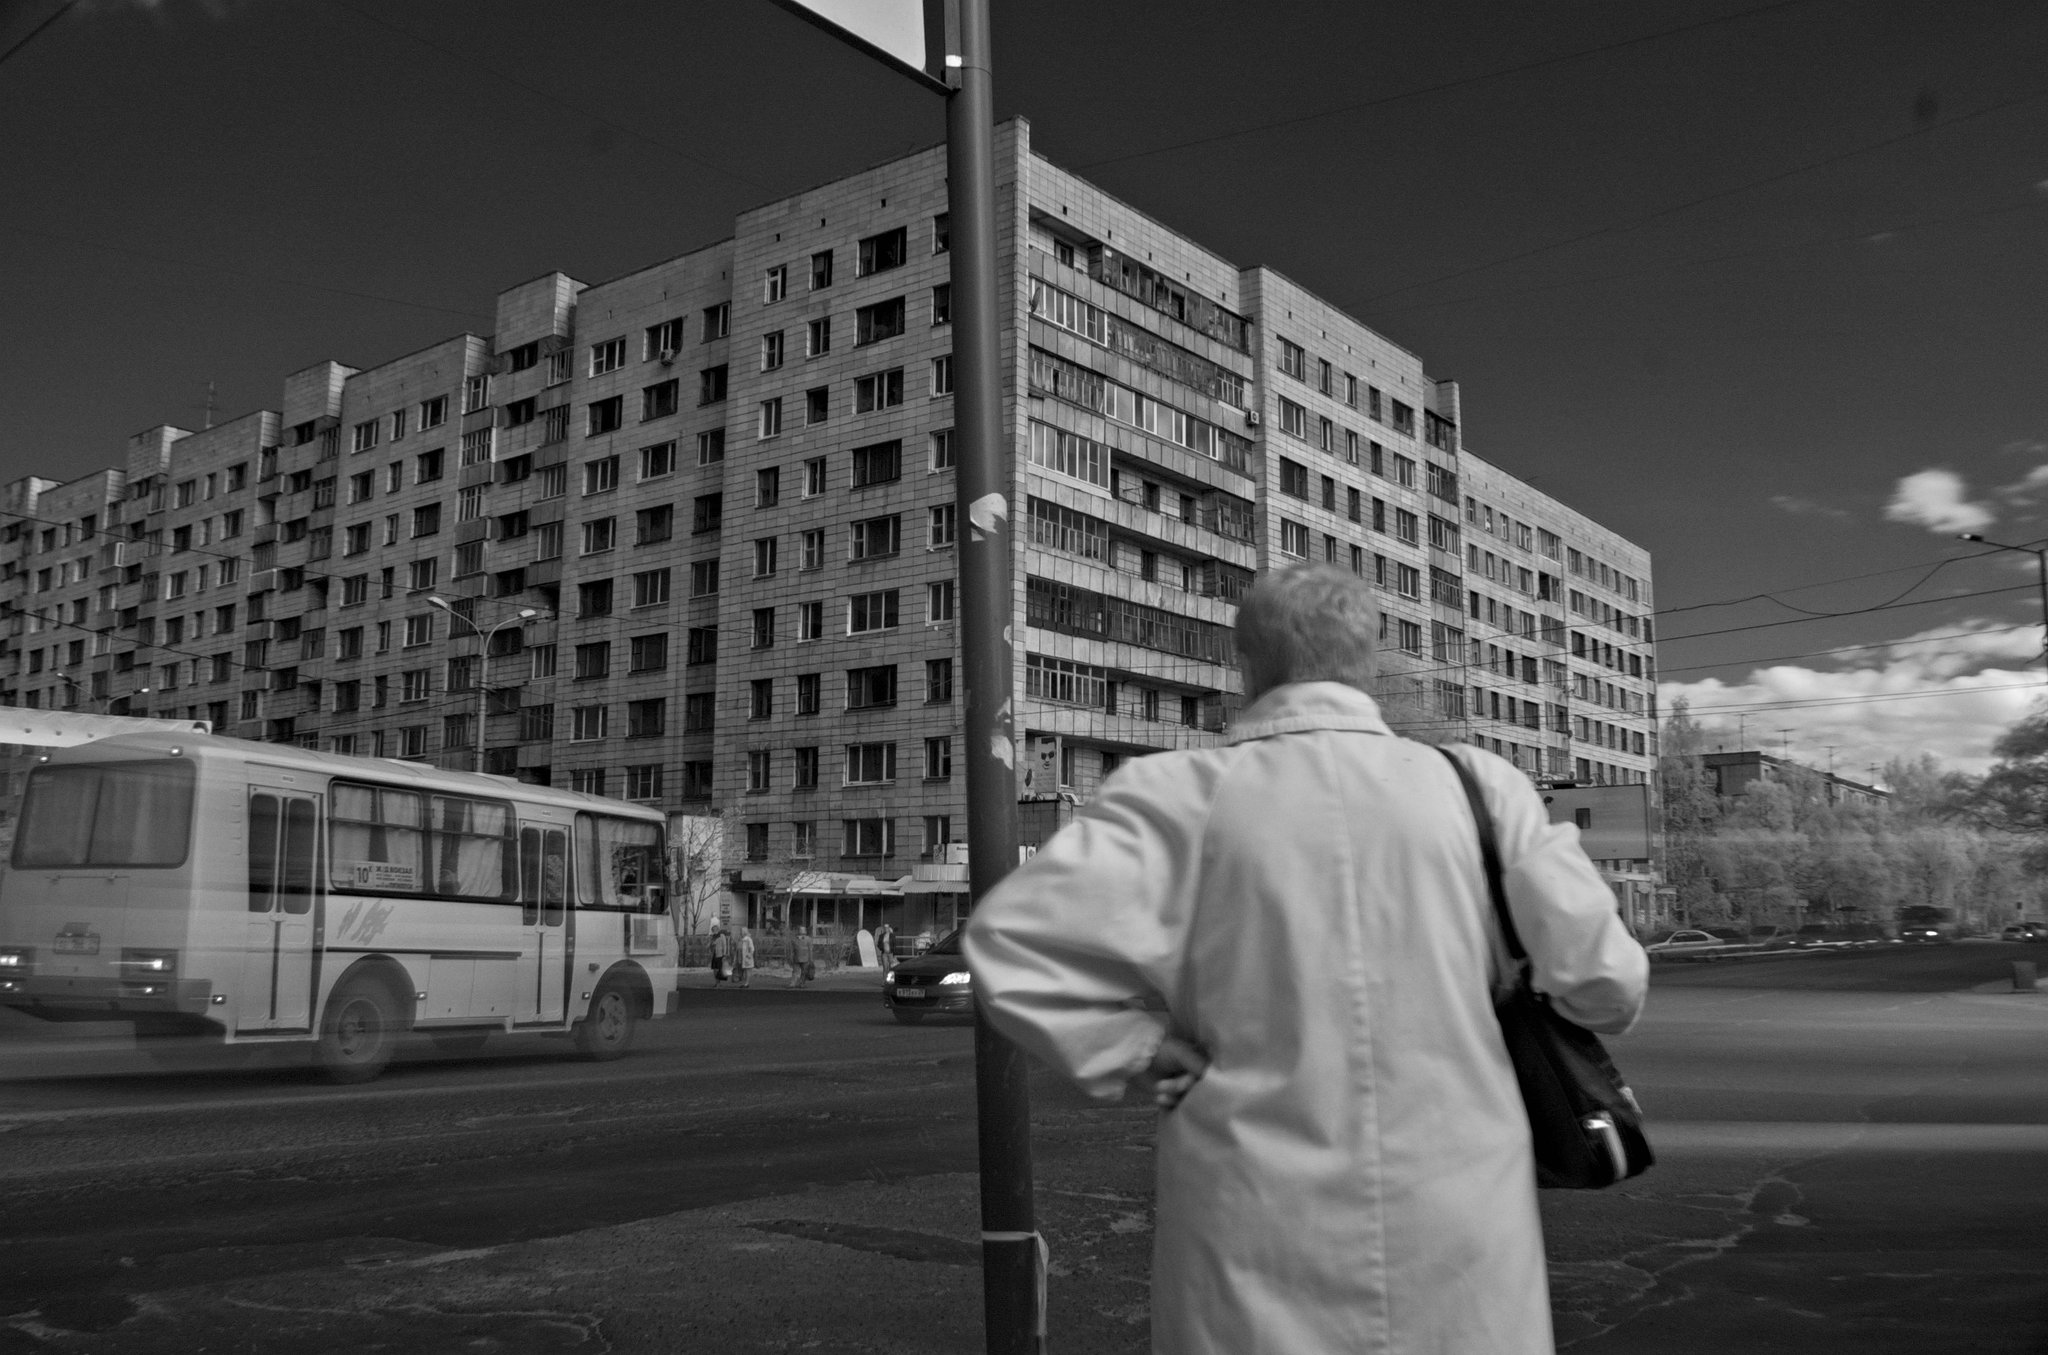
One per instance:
(319, 1097)
(1708, 1138)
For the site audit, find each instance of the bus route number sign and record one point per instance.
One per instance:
(383, 875)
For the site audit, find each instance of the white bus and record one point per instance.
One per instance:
(261, 893)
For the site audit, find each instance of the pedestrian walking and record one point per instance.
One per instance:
(720, 953)
(802, 967)
(743, 974)
(885, 937)
(1289, 941)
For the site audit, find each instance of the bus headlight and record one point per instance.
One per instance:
(16, 959)
(958, 976)
(141, 964)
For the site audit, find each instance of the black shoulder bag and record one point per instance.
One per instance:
(1586, 1126)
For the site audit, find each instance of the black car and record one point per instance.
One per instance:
(934, 983)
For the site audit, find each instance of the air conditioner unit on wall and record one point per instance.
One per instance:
(667, 356)
(1251, 418)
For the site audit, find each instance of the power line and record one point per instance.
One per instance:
(1852, 649)
(1822, 701)
(1445, 87)
(1635, 223)
(1807, 620)
(35, 32)
(551, 95)
(153, 257)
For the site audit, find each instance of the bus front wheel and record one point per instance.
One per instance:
(607, 1032)
(360, 1033)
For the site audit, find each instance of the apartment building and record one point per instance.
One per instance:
(687, 536)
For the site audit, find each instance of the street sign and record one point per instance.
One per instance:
(906, 34)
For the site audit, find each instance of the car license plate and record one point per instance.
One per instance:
(910, 992)
(78, 943)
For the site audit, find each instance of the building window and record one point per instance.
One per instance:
(601, 475)
(659, 400)
(806, 772)
(764, 628)
(870, 764)
(760, 698)
(717, 321)
(876, 537)
(771, 418)
(711, 385)
(818, 337)
(871, 611)
(821, 270)
(938, 759)
(707, 509)
(652, 525)
(547, 541)
(764, 557)
(869, 688)
(938, 599)
(879, 253)
(810, 621)
(647, 719)
(608, 356)
(771, 351)
(809, 691)
(942, 374)
(1293, 419)
(775, 284)
(940, 525)
(1293, 478)
(882, 320)
(877, 463)
(817, 405)
(662, 340)
(1293, 361)
(882, 390)
(699, 709)
(593, 660)
(703, 642)
(657, 460)
(1294, 538)
(868, 837)
(588, 723)
(938, 681)
(942, 304)
(711, 447)
(649, 653)
(643, 782)
(600, 535)
(604, 416)
(650, 588)
(589, 781)
(757, 782)
(814, 548)
(697, 780)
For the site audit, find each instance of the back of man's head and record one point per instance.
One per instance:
(1307, 623)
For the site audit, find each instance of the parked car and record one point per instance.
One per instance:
(1770, 936)
(1685, 940)
(2025, 931)
(935, 982)
(1734, 936)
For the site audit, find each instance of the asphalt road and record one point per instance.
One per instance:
(1852, 1152)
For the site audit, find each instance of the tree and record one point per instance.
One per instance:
(1690, 809)
(696, 865)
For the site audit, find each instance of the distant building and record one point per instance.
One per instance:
(725, 484)
(1732, 775)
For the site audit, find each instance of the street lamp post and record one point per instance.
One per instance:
(483, 666)
(2041, 566)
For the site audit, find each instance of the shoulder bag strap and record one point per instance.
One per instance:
(1489, 853)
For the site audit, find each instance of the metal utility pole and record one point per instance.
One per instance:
(483, 667)
(1012, 1278)
(2041, 567)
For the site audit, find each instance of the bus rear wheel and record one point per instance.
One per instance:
(360, 1033)
(607, 1032)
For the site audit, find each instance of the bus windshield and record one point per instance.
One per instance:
(106, 814)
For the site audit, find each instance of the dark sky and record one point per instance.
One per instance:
(1721, 275)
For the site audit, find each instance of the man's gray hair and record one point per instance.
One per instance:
(1308, 623)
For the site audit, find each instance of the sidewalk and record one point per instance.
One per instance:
(843, 979)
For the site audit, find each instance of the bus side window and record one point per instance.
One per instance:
(262, 852)
(529, 875)
(301, 837)
(554, 876)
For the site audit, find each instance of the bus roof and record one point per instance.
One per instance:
(216, 748)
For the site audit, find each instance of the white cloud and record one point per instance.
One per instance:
(1950, 692)
(2024, 490)
(1934, 499)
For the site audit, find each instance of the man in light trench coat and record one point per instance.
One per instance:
(1289, 940)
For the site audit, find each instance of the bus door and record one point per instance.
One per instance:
(284, 906)
(544, 957)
